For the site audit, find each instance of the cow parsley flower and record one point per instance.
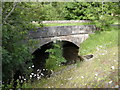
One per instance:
(32, 65)
(112, 67)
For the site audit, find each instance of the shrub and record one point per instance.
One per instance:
(55, 57)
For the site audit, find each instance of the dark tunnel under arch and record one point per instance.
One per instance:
(69, 52)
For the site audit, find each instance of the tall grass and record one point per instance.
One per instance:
(99, 40)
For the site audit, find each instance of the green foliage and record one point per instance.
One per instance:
(15, 41)
(101, 13)
(55, 58)
(53, 11)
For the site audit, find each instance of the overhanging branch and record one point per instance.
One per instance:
(14, 5)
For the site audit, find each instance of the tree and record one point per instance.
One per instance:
(17, 19)
(98, 12)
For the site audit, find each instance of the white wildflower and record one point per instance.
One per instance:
(99, 79)
(103, 54)
(42, 74)
(97, 49)
(32, 65)
(114, 60)
(100, 46)
(54, 41)
(70, 78)
(24, 79)
(43, 69)
(96, 74)
(75, 85)
(60, 40)
(30, 76)
(38, 78)
(61, 84)
(29, 67)
(38, 70)
(19, 77)
(82, 76)
(110, 81)
(114, 53)
(95, 77)
(21, 81)
(112, 67)
(37, 75)
(32, 73)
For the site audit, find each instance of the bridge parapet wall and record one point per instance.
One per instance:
(45, 32)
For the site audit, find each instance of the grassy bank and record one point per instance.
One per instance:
(99, 40)
(98, 72)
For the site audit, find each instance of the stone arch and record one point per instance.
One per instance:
(69, 52)
(40, 56)
(44, 42)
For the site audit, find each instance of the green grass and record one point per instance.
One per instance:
(95, 73)
(99, 40)
(66, 24)
(63, 24)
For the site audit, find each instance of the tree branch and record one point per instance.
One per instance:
(14, 5)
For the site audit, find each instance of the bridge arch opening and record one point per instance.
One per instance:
(40, 56)
(69, 52)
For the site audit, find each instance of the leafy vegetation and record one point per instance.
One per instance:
(100, 13)
(15, 51)
(55, 58)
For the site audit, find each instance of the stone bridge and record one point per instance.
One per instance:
(73, 34)
(70, 36)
